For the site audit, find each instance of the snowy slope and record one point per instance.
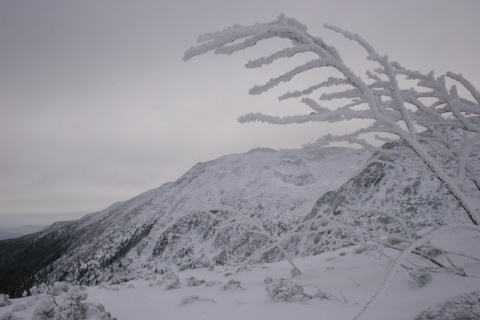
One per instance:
(347, 278)
(390, 195)
(129, 237)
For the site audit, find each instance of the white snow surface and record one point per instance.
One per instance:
(348, 275)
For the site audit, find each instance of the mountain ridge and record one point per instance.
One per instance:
(273, 185)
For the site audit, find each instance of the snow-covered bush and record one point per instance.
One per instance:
(174, 283)
(38, 290)
(10, 316)
(421, 276)
(188, 300)
(284, 290)
(59, 288)
(4, 300)
(232, 284)
(191, 299)
(287, 290)
(46, 309)
(194, 282)
(96, 311)
(69, 305)
(462, 307)
(60, 301)
(212, 283)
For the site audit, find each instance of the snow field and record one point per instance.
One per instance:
(349, 276)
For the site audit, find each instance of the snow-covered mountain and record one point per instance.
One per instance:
(170, 224)
(183, 223)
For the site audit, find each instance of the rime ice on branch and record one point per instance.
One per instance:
(431, 120)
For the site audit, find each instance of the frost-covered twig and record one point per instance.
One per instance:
(286, 290)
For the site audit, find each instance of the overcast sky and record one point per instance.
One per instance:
(97, 105)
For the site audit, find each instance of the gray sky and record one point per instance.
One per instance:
(97, 106)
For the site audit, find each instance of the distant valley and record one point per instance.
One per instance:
(11, 233)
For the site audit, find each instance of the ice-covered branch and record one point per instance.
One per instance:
(467, 84)
(405, 113)
(330, 82)
(326, 116)
(318, 63)
(285, 53)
